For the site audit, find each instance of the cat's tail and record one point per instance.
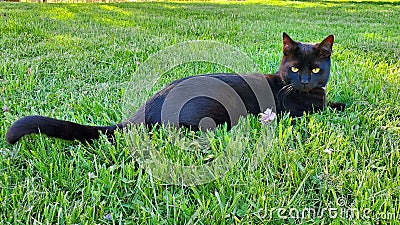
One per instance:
(57, 128)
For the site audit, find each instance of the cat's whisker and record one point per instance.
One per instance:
(285, 90)
(283, 93)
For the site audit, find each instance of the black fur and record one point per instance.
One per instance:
(294, 92)
(55, 128)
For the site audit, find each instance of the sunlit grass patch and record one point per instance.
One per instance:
(61, 13)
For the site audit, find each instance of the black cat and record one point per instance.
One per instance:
(298, 87)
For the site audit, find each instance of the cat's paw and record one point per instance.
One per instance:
(337, 106)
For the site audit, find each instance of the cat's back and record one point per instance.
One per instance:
(222, 97)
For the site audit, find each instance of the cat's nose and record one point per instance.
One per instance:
(304, 79)
(305, 82)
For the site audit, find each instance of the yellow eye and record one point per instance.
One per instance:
(315, 70)
(294, 69)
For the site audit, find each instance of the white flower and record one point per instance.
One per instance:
(91, 175)
(328, 150)
(267, 116)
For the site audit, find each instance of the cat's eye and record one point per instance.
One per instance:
(315, 70)
(294, 69)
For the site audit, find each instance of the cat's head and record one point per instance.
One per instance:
(306, 66)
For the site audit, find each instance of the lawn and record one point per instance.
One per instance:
(76, 62)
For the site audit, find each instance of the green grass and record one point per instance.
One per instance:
(71, 61)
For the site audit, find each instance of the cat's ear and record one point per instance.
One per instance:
(288, 44)
(325, 47)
